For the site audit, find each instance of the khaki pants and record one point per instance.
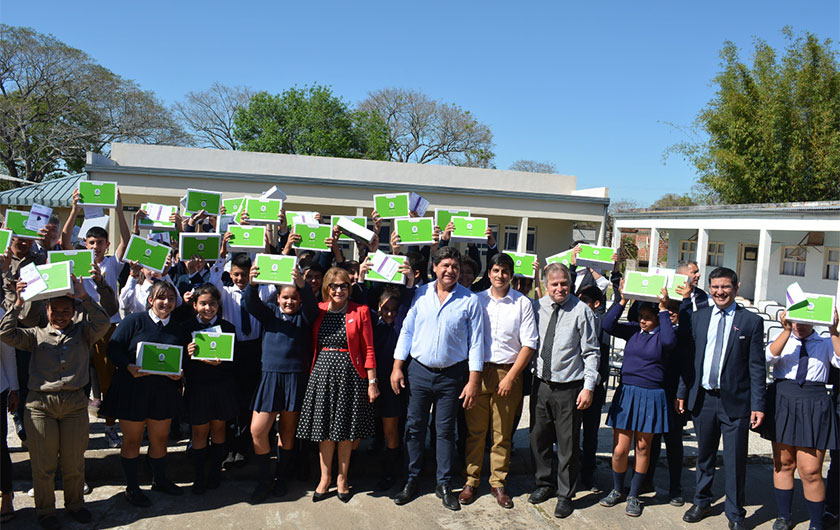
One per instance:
(57, 425)
(491, 411)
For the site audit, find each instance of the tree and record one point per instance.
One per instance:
(309, 121)
(424, 130)
(56, 103)
(532, 166)
(773, 129)
(671, 200)
(209, 114)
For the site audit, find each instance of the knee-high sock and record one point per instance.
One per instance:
(215, 455)
(129, 466)
(284, 456)
(636, 484)
(158, 469)
(618, 481)
(263, 465)
(199, 462)
(784, 500)
(392, 462)
(815, 513)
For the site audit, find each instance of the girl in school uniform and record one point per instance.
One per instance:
(639, 408)
(805, 423)
(209, 390)
(141, 400)
(286, 354)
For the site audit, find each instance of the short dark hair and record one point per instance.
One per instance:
(98, 232)
(54, 220)
(314, 267)
(390, 291)
(592, 293)
(447, 252)
(418, 263)
(649, 306)
(502, 260)
(207, 288)
(467, 261)
(723, 272)
(241, 261)
(349, 265)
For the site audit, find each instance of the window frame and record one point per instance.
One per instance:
(828, 262)
(782, 255)
(720, 250)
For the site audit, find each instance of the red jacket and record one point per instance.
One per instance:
(359, 336)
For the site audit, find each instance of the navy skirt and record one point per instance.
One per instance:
(639, 409)
(154, 397)
(279, 392)
(802, 416)
(211, 400)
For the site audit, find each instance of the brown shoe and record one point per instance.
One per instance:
(501, 497)
(467, 494)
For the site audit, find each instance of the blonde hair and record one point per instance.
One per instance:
(331, 275)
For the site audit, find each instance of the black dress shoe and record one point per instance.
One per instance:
(345, 497)
(49, 522)
(318, 497)
(137, 498)
(782, 524)
(564, 508)
(541, 494)
(450, 500)
(736, 525)
(261, 492)
(168, 487)
(406, 494)
(82, 515)
(696, 513)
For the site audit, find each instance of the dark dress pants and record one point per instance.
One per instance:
(590, 424)
(441, 389)
(557, 420)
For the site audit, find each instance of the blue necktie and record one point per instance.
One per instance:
(714, 377)
(802, 369)
(246, 320)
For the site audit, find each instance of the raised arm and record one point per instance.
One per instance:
(67, 230)
(125, 234)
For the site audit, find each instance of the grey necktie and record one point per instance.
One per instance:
(548, 344)
(714, 377)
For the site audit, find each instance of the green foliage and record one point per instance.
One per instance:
(773, 128)
(671, 200)
(309, 121)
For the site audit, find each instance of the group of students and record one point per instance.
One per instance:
(333, 358)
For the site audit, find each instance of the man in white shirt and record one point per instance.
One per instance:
(509, 344)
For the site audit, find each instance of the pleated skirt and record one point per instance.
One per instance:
(639, 409)
(211, 400)
(279, 392)
(802, 416)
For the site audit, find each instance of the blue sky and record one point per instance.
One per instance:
(589, 86)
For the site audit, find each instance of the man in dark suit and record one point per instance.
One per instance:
(699, 298)
(723, 388)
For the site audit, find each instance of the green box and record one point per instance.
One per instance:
(263, 211)
(205, 246)
(82, 260)
(293, 218)
(312, 237)
(361, 221)
(5, 239)
(563, 257)
(212, 346)
(819, 310)
(151, 224)
(416, 231)
(275, 269)
(155, 358)
(399, 277)
(233, 205)
(147, 253)
(523, 264)
(246, 238)
(96, 193)
(15, 221)
(470, 229)
(595, 257)
(57, 278)
(391, 205)
(673, 282)
(442, 216)
(644, 286)
(197, 200)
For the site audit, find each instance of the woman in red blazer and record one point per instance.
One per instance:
(338, 406)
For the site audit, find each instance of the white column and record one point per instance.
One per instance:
(360, 212)
(522, 240)
(702, 251)
(602, 230)
(653, 251)
(616, 238)
(762, 272)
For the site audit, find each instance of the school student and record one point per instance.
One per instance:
(56, 405)
(8, 403)
(141, 400)
(804, 424)
(286, 356)
(639, 408)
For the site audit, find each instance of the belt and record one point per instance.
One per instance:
(437, 370)
(569, 384)
(713, 393)
(335, 349)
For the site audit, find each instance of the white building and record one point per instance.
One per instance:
(770, 246)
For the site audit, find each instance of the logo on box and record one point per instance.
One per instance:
(203, 204)
(161, 357)
(97, 191)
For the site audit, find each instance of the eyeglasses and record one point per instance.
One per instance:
(339, 286)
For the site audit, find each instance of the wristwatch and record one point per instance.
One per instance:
(373, 381)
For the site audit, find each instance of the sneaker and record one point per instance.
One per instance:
(31, 492)
(93, 407)
(634, 507)
(112, 435)
(612, 498)
(86, 489)
(239, 460)
(227, 463)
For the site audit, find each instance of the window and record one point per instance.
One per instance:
(715, 256)
(831, 271)
(793, 261)
(688, 250)
(512, 238)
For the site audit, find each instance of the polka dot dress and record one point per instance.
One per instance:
(336, 405)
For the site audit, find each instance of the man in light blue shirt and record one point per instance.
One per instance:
(443, 333)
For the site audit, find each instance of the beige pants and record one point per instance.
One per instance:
(57, 425)
(492, 411)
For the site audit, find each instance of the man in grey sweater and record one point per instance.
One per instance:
(565, 376)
